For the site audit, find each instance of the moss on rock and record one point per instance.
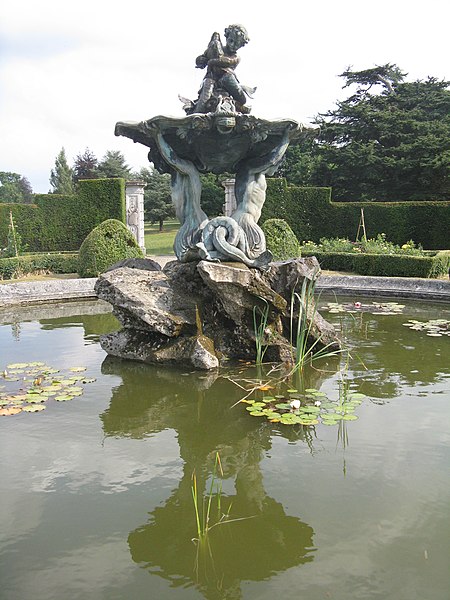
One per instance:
(281, 240)
(105, 245)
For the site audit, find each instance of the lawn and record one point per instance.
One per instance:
(159, 243)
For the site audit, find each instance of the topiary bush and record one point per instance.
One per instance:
(107, 243)
(280, 239)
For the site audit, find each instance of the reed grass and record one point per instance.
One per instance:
(260, 318)
(303, 353)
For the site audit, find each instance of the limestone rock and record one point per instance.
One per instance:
(195, 351)
(144, 300)
(239, 288)
(145, 264)
(197, 314)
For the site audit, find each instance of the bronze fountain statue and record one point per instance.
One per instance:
(200, 309)
(217, 135)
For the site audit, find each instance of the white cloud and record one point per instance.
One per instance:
(69, 71)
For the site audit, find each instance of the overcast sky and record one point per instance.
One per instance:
(70, 70)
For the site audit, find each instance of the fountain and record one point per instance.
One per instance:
(200, 309)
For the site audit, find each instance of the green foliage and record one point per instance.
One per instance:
(312, 215)
(393, 265)
(391, 145)
(113, 165)
(85, 166)
(14, 245)
(280, 239)
(107, 243)
(157, 197)
(14, 188)
(61, 177)
(15, 267)
(60, 222)
(378, 245)
(213, 194)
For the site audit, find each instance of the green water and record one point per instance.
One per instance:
(96, 493)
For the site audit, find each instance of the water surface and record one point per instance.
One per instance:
(96, 492)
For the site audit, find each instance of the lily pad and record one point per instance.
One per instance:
(35, 399)
(10, 411)
(63, 398)
(34, 408)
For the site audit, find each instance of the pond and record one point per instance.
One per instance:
(97, 491)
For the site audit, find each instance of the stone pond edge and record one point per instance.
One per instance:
(57, 290)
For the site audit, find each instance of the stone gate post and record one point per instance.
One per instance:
(134, 194)
(230, 199)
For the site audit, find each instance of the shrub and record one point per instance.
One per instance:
(312, 215)
(280, 239)
(384, 265)
(15, 267)
(61, 222)
(107, 243)
(378, 245)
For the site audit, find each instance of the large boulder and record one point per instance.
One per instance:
(198, 314)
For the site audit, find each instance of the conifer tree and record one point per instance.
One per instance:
(113, 165)
(61, 177)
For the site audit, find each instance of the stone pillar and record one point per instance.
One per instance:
(134, 194)
(230, 199)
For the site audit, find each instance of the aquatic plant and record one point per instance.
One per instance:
(375, 308)
(28, 386)
(260, 318)
(309, 407)
(304, 352)
(433, 327)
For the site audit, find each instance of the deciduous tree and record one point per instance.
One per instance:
(15, 188)
(85, 166)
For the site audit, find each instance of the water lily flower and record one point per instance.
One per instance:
(295, 404)
(357, 304)
(317, 403)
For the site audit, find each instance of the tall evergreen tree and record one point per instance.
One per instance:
(157, 199)
(388, 141)
(113, 165)
(61, 177)
(85, 166)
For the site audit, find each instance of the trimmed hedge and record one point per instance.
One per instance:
(385, 265)
(312, 215)
(107, 243)
(15, 267)
(57, 222)
(281, 240)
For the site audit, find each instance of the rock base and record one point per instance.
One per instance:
(201, 314)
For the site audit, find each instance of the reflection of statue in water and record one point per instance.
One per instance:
(220, 80)
(267, 542)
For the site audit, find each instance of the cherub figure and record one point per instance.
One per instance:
(220, 79)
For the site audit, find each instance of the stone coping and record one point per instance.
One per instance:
(57, 290)
(397, 287)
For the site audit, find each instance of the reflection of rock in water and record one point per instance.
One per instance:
(252, 549)
(150, 400)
